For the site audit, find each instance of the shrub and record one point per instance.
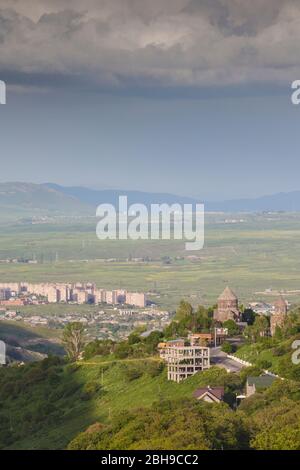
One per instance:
(155, 368)
(264, 364)
(123, 350)
(133, 373)
(89, 390)
(279, 351)
(227, 347)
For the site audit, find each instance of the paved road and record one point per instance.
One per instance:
(220, 359)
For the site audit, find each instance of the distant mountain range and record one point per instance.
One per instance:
(28, 199)
(289, 202)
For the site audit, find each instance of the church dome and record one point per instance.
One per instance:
(228, 294)
(280, 303)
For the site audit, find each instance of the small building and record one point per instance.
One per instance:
(210, 394)
(215, 338)
(257, 384)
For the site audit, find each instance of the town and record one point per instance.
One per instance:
(107, 322)
(22, 293)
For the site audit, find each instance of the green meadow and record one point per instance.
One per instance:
(250, 252)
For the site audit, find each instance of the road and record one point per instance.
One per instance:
(220, 359)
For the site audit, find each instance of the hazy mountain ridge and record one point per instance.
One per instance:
(36, 199)
(289, 202)
(29, 199)
(111, 196)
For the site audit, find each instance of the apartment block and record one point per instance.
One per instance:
(137, 299)
(78, 292)
(99, 296)
(80, 296)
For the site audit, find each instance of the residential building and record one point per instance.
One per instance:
(257, 384)
(78, 292)
(137, 299)
(80, 296)
(210, 394)
(99, 296)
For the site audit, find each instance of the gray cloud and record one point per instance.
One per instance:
(118, 44)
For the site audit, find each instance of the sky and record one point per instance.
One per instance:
(185, 96)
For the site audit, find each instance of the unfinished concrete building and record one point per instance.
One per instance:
(184, 360)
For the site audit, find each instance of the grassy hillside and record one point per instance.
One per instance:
(27, 199)
(45, 405)
(25, 343)
(274, 355)
(129, 403)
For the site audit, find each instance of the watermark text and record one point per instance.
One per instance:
(159, 222)
(296, 94)
(2, 92)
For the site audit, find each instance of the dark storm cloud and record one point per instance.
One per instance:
(121, 44)
(238, 17)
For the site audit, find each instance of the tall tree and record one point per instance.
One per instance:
(73, 339)
(184, 310)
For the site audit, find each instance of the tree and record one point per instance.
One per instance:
(227, 347)
(261, 324)
(134, 338)
(152, 341)
(184, 310)
(248, 316)
(232, 327)
(258, 329)
(278, 333)
(123, 350)
(99, 348)
(202, 319)
(73, 339)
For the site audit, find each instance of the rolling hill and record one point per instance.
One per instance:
(129, 404)
(28, 200)
(286, 202)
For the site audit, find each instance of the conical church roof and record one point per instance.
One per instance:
(227, 294)
(280, 302)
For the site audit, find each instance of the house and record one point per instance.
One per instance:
(257, 384)
(210, 394)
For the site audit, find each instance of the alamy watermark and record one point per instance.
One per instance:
(159, 222)
(296, 94)
(2, 353)
(2, 92)
(296, 354)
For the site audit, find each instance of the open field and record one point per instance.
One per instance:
(257, 253)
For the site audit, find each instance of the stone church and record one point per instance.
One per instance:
(228, 307)
(279, 316)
